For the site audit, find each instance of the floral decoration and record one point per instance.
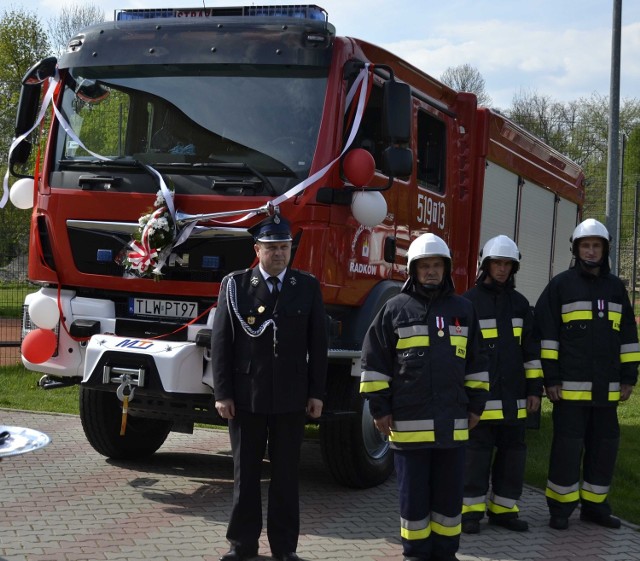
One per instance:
(153, 241)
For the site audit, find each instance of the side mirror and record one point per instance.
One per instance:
(28, 106)
(396, 112)
(40, 71)
(397, 162)
(25, 119)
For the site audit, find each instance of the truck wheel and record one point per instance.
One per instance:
(101, 416)
(356, 453)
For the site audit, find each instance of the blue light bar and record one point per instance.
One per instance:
(299, 11)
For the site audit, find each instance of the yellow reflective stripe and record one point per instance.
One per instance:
(477, 384)
(575, 395)
(458, 341)
(577, 315)
(478, 507)
(369, 387)
(497, 509)
(614, 395)
(517, 332)
(492, 415)
(413, 436)
(417, 341)
(446, 530)
(629, 357)
(522, 413)
(489, 333)
(593, 497)
(461, 434)
(615, 318)
(574, 496)
(415, 534)
(549, 354)
(533, 373)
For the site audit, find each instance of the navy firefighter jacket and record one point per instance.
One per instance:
(423, 363)
(588, 336)
(515, 372)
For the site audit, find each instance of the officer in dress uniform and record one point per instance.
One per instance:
(269, 362)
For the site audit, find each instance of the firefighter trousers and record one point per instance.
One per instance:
(430, 482)
(587, 435)
(496, 452)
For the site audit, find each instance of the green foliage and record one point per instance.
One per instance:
(625, 490)
(23, 42)
(20, 390)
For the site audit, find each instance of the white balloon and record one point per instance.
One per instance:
(369, 207)
(21, 193)
(44, 312)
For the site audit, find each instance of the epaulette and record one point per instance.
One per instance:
(236, 273)
(301, 272)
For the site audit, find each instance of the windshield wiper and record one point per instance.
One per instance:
(234, 167)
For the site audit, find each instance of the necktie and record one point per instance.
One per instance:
(275, 281)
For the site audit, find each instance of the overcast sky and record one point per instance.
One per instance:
(560, 48)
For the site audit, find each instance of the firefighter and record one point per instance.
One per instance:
(426, 379)
(590, 358)
(506, 321)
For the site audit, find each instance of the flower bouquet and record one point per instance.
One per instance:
(152, 243)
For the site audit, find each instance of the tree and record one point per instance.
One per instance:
(466, 78)
(72, 19)
(22, 44)
(579, 129)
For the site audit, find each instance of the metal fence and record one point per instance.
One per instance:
(13, 287)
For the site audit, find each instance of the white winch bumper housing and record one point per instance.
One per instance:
(179, 366)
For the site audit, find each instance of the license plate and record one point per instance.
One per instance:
(163, 308)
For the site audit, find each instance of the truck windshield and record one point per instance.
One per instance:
(264, 117)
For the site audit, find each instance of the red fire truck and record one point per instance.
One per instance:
(172, 132)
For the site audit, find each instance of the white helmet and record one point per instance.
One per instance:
(590, 228)
(587, 229)
(427, 245)
(500, 247)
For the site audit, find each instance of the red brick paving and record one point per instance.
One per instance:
(68, 503)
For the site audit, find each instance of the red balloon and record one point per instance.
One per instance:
(359, 167)
(39, 345)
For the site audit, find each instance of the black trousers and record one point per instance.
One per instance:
(250, 435)
(430, 482)
(496, 452)
(587, 437)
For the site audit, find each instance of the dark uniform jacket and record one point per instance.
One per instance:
(515, 372)
(259, 375)
(589, 338)
(422, 363)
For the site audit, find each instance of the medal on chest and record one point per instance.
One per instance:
(440, 325)
(600, 308)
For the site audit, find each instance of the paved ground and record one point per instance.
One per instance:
(67, 503)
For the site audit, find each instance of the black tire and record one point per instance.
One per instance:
(101, 417)
(356, 454)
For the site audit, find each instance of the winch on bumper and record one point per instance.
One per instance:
(163, 379)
